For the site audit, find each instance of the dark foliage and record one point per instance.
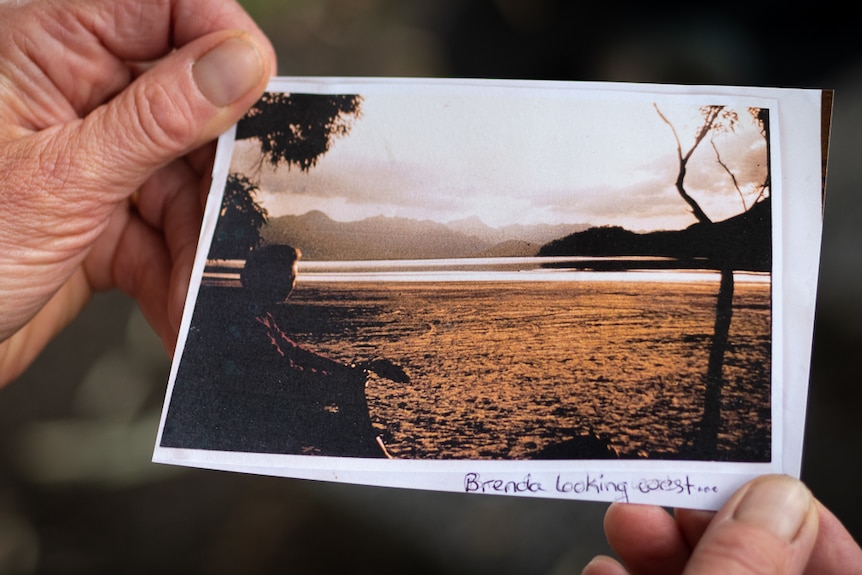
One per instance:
(238, 229)
(743, 242)
(297, 129)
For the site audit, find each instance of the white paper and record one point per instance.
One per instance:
(499, 371)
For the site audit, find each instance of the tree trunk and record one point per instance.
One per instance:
(706, 443)
(692, 203)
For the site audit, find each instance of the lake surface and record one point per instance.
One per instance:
(508, 359)
(502, 269)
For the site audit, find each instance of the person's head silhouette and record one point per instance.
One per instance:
(269, 274)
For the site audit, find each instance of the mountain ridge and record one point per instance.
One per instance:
(319, 237)
(741, 242)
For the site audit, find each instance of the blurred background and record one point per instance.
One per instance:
(78, 493)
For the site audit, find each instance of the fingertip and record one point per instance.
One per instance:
(835, 546)
(768, 526)
(229, 70)
(621, 518)
(621, 514)
(645, 537)
(603, 565)
(777, 504)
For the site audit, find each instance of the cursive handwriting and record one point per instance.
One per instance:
(590, 484)
(674, 485)
(473, 483)
(593, 484)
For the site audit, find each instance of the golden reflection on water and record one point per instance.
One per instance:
(505, 370)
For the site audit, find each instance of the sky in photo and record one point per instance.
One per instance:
(522, 156)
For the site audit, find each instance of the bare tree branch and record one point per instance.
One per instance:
(672, 129)
(683, 161)
(729, 173)
(710, 115)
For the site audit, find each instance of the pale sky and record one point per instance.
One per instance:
(518, 157)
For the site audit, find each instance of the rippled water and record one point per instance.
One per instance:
(510, 369)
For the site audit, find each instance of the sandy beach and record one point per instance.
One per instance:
(510, 370)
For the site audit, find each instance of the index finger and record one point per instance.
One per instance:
(646, 538)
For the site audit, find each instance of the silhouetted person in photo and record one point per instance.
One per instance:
(268, 278)
(245, 384)
(270, 273)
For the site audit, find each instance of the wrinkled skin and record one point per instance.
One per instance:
(102, 101)
(741, 538)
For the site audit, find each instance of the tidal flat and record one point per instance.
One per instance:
(511, 370)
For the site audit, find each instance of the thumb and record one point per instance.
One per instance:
(187, 99)
(768, 527)
(64, 182)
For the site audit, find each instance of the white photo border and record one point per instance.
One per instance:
(795, 127)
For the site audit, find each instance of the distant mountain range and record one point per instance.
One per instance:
(743, 242)
(321, 238)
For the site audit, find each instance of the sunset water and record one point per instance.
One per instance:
(509, 369)
(499, 269)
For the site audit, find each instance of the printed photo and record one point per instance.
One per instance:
(462, 273)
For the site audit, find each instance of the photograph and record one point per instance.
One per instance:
(458, 273)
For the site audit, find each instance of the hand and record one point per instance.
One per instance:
(772, 525)
(102, 101)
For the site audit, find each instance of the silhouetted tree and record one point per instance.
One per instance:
(716, 119)
(238, 228)
(297, 129)
(293, 129)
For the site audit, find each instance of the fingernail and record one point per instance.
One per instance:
(777, 504)
(228, 71)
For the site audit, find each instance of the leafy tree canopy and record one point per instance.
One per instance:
(238, 229)
(293, 129)
(297, 129)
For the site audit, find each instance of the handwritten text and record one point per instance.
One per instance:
(589, 484)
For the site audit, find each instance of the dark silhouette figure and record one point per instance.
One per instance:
(270, 272)
(244, 385)
(587, 445)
